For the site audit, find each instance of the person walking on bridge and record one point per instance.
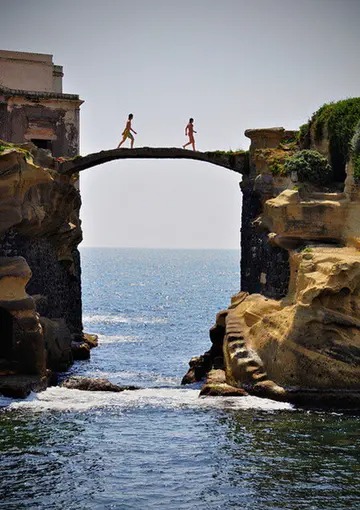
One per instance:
(127, 132)
(189, 131)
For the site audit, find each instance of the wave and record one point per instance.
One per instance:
(118, 319)
(63, 399)
(149, 378)
(118, 339)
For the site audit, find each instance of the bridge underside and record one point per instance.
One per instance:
(235, 161)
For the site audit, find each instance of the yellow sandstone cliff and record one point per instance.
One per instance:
(40, 292)
(294, 339)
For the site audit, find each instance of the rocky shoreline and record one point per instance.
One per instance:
(40, 285)
(291, 334)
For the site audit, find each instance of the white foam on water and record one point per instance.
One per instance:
(113, 319)
(118, 376)
(64, 399)
(118, 339)
(5, 401)
(120, 319)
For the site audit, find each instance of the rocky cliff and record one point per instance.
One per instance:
(293, 332)
(40, 287)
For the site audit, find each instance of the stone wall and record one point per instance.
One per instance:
(30, 71)
(264, 267)
(51, 118)
(33, 106)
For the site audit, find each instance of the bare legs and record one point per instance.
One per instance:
(192, 142)
(123, 140)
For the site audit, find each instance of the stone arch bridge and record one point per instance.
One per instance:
(235, 161)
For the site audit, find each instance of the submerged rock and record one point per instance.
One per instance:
(89, 384)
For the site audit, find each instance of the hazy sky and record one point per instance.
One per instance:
(230, 64)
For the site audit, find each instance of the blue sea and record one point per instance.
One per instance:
(163, 447)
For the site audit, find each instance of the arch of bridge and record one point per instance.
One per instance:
(235, 161)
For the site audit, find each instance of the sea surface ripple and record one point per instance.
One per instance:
(163, 447)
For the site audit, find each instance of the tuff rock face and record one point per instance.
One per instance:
(40, 291)
(293, 333)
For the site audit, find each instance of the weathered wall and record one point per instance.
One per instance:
(53, 118)
(264, 267)
(29, 71)
(40, 225)
(32, 105)
(57, 289)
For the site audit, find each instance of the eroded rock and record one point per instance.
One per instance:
(294, 335)
(80, 350)
(57, 338)
(39, 234)
(20, 386)
(89, 384)
(216, 386)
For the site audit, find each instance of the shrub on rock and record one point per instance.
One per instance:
(355, 149)
(310, 166)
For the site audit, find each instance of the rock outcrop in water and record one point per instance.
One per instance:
(40, 288)
(293, 333)
(94, 384)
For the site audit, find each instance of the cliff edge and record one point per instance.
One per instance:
(293, 332)
(40, 287)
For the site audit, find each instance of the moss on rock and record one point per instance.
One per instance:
(338, 121)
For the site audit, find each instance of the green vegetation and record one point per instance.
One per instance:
(339, 119)
(3, 147)
(227, 153)
(232, 158)
(310, 166)
(303, 135)
(303, 130)
(6, 147)
(355, 142)
(275, 158)
(357, 168)
(276, 168)
(290, 141)
(355, 149)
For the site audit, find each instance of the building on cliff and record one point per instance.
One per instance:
(33, 106)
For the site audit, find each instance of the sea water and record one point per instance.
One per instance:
(163, 447)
